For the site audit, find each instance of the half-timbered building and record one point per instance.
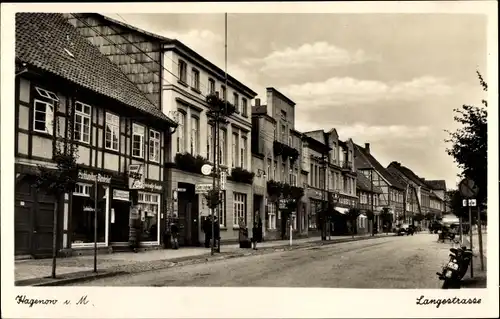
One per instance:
(65, 89)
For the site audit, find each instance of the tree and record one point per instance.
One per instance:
(469, 144)
(352, 216)
(61, 179)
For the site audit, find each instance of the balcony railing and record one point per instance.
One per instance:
(346, 165)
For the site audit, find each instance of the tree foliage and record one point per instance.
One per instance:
(469, 144)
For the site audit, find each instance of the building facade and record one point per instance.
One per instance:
(177, 80)
(70, 93)
(368, 198)
(276, 148)
(392, 198)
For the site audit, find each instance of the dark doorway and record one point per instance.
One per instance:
(119, 221)
(188, 216)
(34, 219)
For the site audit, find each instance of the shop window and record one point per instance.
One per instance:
(149, 206)
(83, 214)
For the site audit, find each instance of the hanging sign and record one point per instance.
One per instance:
(136, 176)
(153, 186)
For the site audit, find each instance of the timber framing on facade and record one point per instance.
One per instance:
(113, 125)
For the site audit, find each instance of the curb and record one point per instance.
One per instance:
(66, 281)
(169, 263)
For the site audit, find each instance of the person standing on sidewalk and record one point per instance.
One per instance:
(216, 235)
(207, 229)
(256, 235)
(174, 231)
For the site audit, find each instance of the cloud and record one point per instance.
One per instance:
(308, 56)
(345, 91)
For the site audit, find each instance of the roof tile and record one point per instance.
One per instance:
(43, 39)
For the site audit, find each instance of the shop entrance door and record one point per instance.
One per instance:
(188, 216)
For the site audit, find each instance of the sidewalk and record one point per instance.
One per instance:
(35, 271)
(480, 277)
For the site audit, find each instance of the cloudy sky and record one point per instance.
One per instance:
(390, 80)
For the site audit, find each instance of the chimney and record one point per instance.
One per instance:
(367, 147)
(257, 102)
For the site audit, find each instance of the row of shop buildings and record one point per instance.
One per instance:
(134, 105)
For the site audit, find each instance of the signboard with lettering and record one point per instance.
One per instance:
(92, 177)
(202, 188)
(121, 195)
(136, 176)
(223, 180)
(153, 186)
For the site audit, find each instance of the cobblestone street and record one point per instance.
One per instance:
(391, 262)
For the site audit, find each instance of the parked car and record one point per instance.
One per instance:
(435, 227)
(402, 229)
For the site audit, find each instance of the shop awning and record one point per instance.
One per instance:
(341, 210)
(450, 219)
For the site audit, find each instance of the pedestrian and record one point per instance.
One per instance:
(207, 229)
(216, 235)
(255, 238)
(174, 231)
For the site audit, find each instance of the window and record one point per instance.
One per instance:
(223, 89)
(268, 173)
(211, 86)
(112, 131)
(82, 122)
(283, 173)
(275, 170)
(83, 214)
(180, 133)
(82, 190)
(235, 150)
(182, 71)
(311, 176)
(271, 212)
(293, 177)
(221, 210)
(283, 134)
(195, 79)
(240, 207)
(47, 94)
(236, 101)
(149, 206)
(222, 147)
(243, 152)
(43, 117)
(194, 135)
(137, 141)
(293, 216)
(244, 107)
(210, 139)
(154, 146)
(334, 152)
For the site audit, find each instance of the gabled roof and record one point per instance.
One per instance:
(364, 160)
(409, 174)
(178, 43)
(436, 184)
(397, 175)
(363, 183)
(48, 42)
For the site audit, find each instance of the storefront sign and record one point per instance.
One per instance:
(153, 186)
(136, 176)
(202, 188)
(92, 177)
(121, 195)
(88, 209)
